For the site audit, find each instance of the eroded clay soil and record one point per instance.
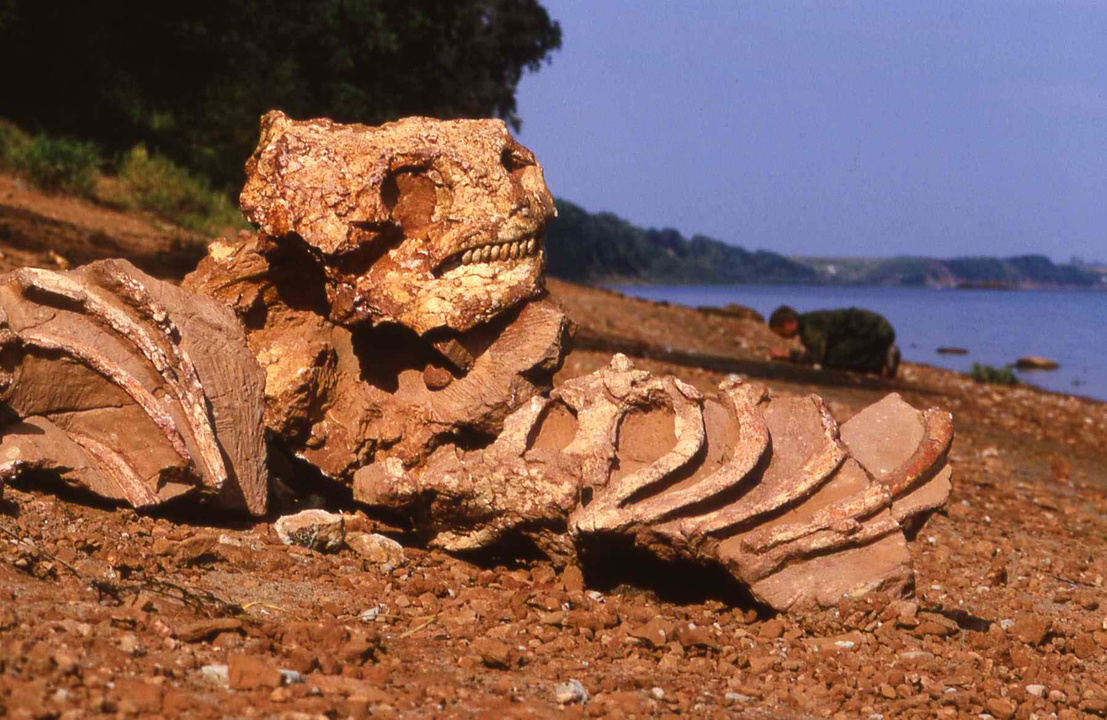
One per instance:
(109, 613)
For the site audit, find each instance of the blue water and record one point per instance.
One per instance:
(997, 327)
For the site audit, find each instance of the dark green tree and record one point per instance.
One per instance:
(190, 79)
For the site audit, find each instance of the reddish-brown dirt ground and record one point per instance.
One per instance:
(105, 612)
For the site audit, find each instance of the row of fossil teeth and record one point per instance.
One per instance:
(503, 251)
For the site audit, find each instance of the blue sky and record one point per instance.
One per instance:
(833, 128)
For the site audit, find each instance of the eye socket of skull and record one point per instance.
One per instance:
(515, 158)
(411, 198)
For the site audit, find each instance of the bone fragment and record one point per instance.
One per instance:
(768, 486)
(146, 391)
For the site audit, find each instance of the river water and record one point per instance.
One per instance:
(996, 327)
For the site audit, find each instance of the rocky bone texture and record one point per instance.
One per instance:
(129, 387)
(394, 293)
(430, 224)
(798, 509)
(344, 397)
(393, 300)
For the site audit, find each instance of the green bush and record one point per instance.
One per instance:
(142, 181)
(53, 164)
(12, 139)
(994, 375)
(153, 183)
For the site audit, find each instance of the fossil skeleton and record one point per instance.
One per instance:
(388, 324)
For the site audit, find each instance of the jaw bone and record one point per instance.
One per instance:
(490, 253)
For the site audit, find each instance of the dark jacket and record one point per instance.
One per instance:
(850, 339)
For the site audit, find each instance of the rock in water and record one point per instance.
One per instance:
(316, 529)
(1035, 362)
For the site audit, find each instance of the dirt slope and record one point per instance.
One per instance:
(53, 231)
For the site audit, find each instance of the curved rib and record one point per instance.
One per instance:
(763, 500)
(750, 447)
(828, 540)
(937, 438)
(838, 515)
(689, 430)
(97, 362)
(115, 467)
(181, 377)
(606, 511)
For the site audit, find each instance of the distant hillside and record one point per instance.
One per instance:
(602, 247)
(1023, 271)
(597, 248)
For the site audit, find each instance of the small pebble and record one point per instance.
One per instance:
(216, 674)
(571, 692)
(290, 677)
(376, 548)
(316, 529)
(131, 645)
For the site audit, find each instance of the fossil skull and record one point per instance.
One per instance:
(425, 223)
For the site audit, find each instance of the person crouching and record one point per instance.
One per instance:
(847, 339)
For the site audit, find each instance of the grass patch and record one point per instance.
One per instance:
(135, 181)
(155, 184)
(994, 375)
(54, 164)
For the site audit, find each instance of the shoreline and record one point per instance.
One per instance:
(615, 284)
(997, 329)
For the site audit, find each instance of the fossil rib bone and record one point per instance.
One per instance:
(131, 377)
(763, 485)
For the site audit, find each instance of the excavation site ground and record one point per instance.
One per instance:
(186, 612)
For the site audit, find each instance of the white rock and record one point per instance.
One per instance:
(376, 548)
(315, 529)
(290, 677)
(1038, 691)
(216, 674)
(657, 693)
(131, 645)
(571, 692)
(915, 655)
